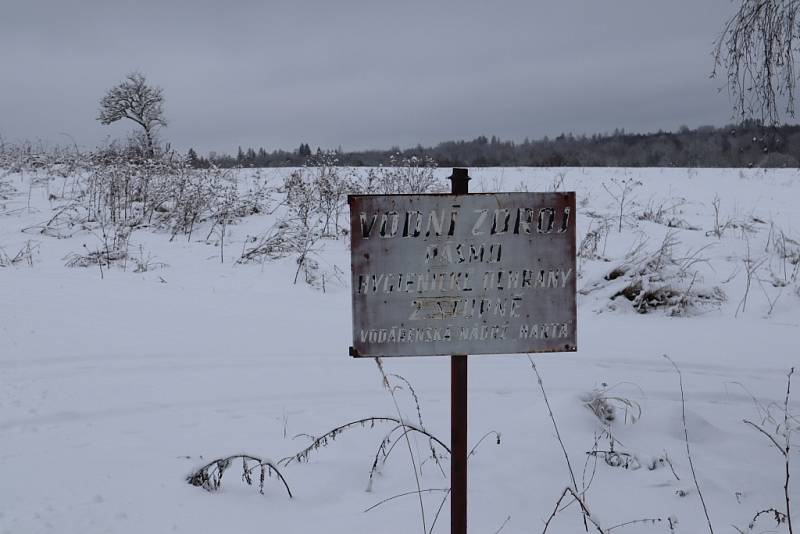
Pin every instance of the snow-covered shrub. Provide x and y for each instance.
(332, 183)
(21, 157)
(610, 408)
(589, 245)
(666, 213)
(606, 406)
(402, 175)
(6, 189)
(38, 159)
(317, 194)
(588, 250)
(621, 190)
(720, 225)
(111, 248)
(118, 190)
(305, 220)
(776, 423)
(597, 234)
(23, 256)
(278, 241)
(316, 201)
(143, 263)
(7, 192)
(785, 261)
(302, 200)
(209, 476)
(100, 256)
(121, 192)
(659, 280)
(411, 175)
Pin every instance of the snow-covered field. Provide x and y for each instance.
(113, 389)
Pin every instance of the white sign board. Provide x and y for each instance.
(463, 274)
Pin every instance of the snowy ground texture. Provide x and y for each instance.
(114, 389)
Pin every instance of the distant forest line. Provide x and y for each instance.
(748, 144)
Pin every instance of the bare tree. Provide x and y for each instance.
(757, 48)
(134, 99)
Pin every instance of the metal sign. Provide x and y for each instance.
(463, 274)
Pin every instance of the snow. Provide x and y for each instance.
(113, 390)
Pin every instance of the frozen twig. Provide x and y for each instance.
(786, 449)
(686, 441)
(560, 441)
(335, 432)
(490, 433)
(584, 509)
(209, 477)
(408, 443)
(405, 494)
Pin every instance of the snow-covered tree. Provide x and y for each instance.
(134, 99)
(756, 49)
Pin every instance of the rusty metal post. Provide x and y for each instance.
(458, 410)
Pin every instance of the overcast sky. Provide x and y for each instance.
(361, 74)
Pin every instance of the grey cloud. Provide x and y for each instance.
(362, 74)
